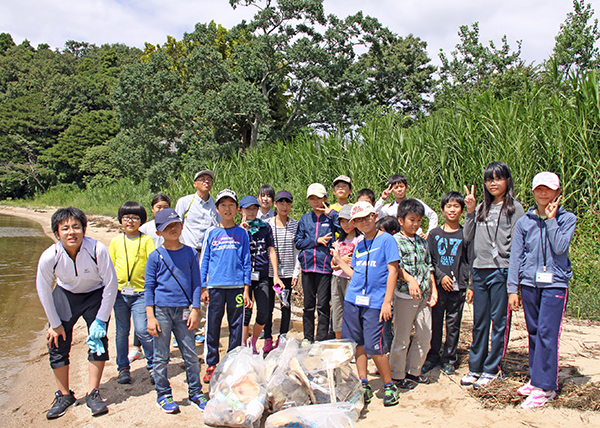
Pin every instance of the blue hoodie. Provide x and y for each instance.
(313, 256)
(526, 257)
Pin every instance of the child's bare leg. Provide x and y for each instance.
(61, 374)
(257, 329)
(338, 334)
(361, 362)
(245, 335)
(96, 368)
(383, 365)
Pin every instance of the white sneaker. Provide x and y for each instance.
(537, 398)
(470, 378)
(526, 389)
(484, 380)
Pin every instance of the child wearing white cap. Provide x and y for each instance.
(540, 266)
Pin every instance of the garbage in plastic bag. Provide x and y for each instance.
(314, 374)
(333, 415)
(237, 390)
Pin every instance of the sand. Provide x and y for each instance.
(441, 403)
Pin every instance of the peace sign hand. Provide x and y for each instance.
(470, 201)
(552, 207)
(386, 193)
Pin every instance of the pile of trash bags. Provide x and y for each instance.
(292, 377)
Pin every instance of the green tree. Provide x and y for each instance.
(474, 67)
(575, 49)
(6, 42)
(85, 131)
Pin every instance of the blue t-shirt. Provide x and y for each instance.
(377, 253)
(259, 249)
(161, 287)
(225, 260)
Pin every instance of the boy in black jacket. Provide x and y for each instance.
(451, 261)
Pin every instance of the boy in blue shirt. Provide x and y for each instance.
(225, 270)
(373, 272)
(172, 285)
(316, 230)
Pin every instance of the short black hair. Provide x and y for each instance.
(453, 196)
(390, 224)
(368, 193)
(132, 208)
(63, 214)
(397, 178)
(267, 190)
(410, 206)
(160, 197)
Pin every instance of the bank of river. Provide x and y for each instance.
(21, 314)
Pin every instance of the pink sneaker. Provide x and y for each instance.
(526, 389)
(253, 341)
(538, 398)
(268, 346)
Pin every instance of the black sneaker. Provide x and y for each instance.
(60, 404)
(428, 366)
(390, 395)
(124, 376)
(95, 403)
(405, 384)
(417, 379)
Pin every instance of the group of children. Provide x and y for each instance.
(364, 264)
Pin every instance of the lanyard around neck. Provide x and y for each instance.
(130, 273)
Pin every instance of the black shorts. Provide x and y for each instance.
(74, 306)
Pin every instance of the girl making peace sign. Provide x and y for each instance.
(490, 226)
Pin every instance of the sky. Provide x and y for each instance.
(133, 22)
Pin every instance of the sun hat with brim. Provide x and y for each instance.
(248, 201)
(204, 172)
(362, 209)
(316, 189)
(165, 217)
(343, 178)
(226, 193)
(548, 179)
(284, 194)
(346, 212)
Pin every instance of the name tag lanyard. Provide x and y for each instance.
(544, 242)
(368, 250)
(285, 235)
(130, 272)
(417, 256)
(495, 233)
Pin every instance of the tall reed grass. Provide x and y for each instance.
(537, 130)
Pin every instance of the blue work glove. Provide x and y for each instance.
(96, 346)
(97, 330)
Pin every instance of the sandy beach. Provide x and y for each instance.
(441, 403)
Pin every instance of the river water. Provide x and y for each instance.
(21, 314)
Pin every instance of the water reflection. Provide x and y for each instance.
(21, 314)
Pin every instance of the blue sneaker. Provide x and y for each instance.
(199, 339)
(167, 404)
(175, 344)
(199, 400)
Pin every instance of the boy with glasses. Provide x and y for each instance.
(373, 272)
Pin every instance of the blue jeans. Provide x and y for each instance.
(125, 308)
(171, 320)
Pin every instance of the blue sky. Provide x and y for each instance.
(133, 22)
